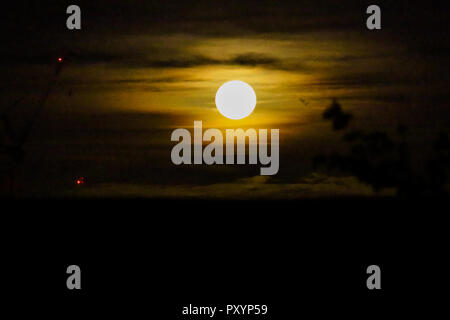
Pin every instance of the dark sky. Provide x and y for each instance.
(139, 69)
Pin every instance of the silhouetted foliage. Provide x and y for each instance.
(382, 162)
(439, 166)
(334, 113)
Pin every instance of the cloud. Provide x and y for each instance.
(253, 59)
(139, 60)
(246, 59)
(257, 187)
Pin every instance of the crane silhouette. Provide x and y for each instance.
(15, 139)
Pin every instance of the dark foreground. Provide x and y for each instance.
(150, 258)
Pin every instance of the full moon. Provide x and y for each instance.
(235, 99)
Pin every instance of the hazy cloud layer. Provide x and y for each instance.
(139, 69)
(258, 187)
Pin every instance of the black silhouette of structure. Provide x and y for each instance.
(14, 139)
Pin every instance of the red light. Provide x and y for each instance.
(80, 181)
(60, 59)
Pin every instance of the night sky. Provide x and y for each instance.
(139, 69)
